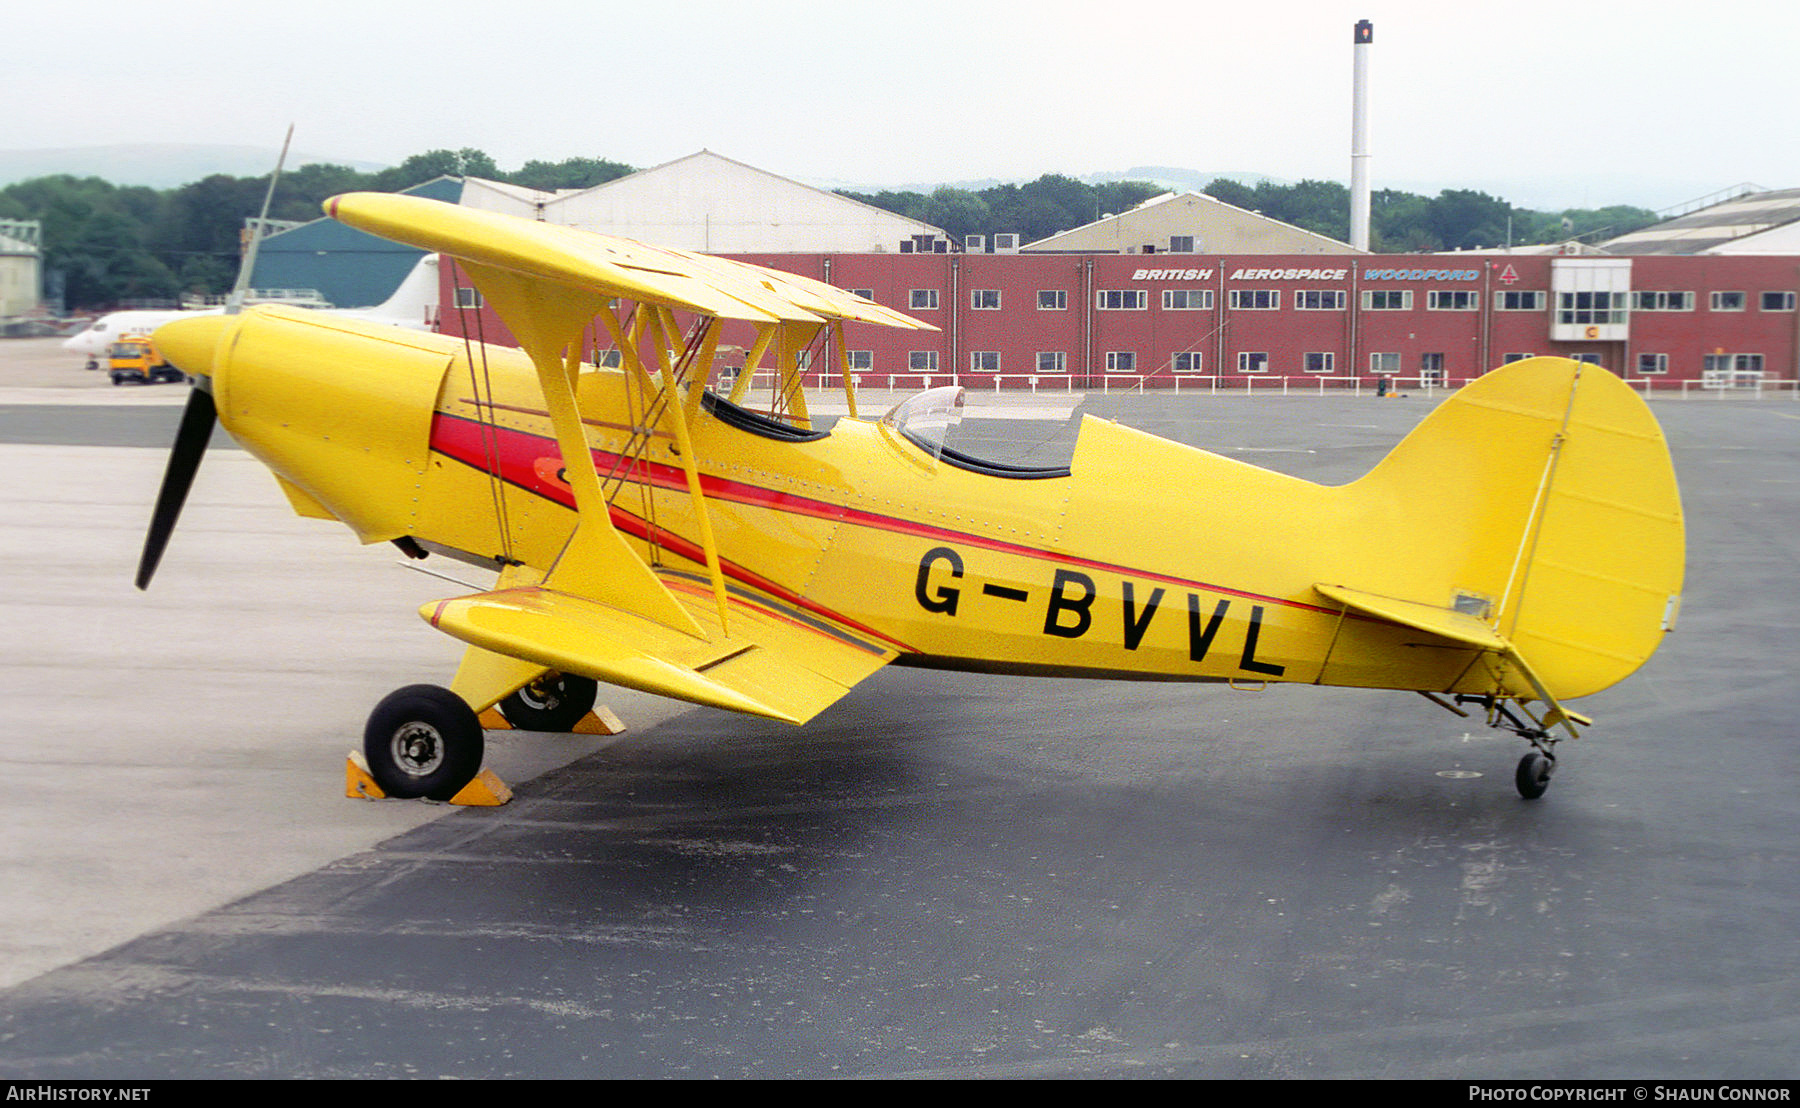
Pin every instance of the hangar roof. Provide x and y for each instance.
(1205, 224)
(1726, 227)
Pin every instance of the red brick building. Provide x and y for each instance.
(1316, 321)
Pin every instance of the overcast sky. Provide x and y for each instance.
(1547, 104)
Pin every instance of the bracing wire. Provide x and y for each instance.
(483, 389)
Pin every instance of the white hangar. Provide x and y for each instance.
(1188, 223)
(711, 203)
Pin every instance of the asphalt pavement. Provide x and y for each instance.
(943, 875)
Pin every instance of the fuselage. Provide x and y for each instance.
(1147, 559)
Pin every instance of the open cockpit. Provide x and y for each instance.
(928, 421)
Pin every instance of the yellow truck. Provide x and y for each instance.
(135, 358)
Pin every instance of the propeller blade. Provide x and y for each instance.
(197, 422)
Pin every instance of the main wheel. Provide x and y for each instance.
(554, 702)
(422, 740)
(1533, 775)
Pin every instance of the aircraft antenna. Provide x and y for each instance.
(235, 302)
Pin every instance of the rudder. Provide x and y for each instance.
(1540, 497)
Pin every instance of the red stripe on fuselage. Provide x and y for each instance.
(467, 441)
(517, 452)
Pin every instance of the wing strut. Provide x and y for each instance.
(663, 320)
(843, 354)
(740, 387)
(547, 319)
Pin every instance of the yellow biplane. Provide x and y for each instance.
(1521, 547)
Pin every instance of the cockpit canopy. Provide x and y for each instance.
(930, 420)
(927, 418)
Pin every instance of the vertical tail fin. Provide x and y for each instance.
(1542, 499)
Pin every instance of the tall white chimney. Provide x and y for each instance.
(1359, 138)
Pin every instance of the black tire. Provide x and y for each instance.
(423, 740)
(555, 702)
(1533, 775)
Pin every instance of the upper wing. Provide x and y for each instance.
(676, 279)
(601, 610)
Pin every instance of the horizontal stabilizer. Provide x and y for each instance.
(777, 662)
(1444, 622)
(1458, 627)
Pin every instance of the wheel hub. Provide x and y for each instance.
(418, 749)
(544, 696)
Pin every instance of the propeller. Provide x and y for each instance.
(197, 422)
(190, 344)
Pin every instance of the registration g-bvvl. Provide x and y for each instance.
(648, 520)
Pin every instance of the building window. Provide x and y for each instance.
(1052, 361)
(1186, 361)
(1586, 359)
(1450, 300)
(1121, 300)
(1321, 361)
(1187, 300)
(1319, 300)
(1777, 301)
(1508, 359)
(984, 300)
(922, 299)
(468, 298)
(866, 294)
(1732, 371)
(922, 361)
(1121, 361)
(1519, 300)
(861, 361)
(1053, 300)
(984, 361)
(1653, 363)
(1255, 300)
(1728, 301)
(1253, 361)
(609, 359)
(1384, 364)
(1181, 244)
(1387, 300)
(1580, 308)
(1662, 301)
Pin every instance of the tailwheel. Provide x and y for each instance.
(422, 740)
(554, 702)
(1533, 774)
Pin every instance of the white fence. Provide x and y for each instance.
(1258, 384)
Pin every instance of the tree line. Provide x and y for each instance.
(104, 244)
(1399, 222)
